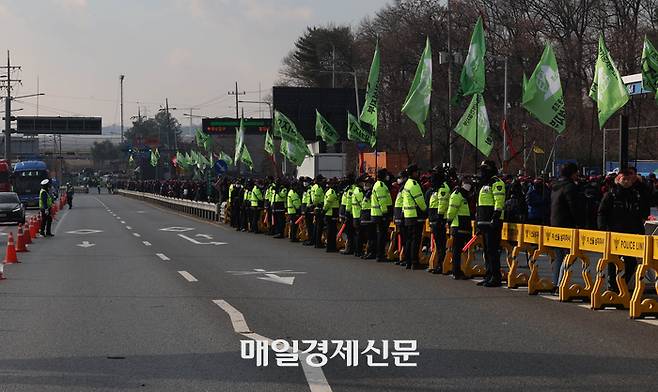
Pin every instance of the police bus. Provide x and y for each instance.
(27, 181)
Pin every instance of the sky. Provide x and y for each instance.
(189, 51)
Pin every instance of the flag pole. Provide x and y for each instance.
(477, 123)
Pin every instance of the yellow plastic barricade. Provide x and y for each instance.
(474, 270)
(584, 241)
(640, 307)
(227, 213)
(544, 238)
(512, 237)
(392, 250)
(433, 261)
(632, 245)
(446, 264)
(426, 237)
(262, 226)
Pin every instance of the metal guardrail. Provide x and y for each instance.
(210, 211)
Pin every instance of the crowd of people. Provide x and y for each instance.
(360, 210)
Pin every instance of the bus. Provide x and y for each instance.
(5, 176)
(27, 181)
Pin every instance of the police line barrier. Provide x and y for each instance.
(210, 211)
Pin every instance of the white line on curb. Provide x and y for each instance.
(315, 377)
(188, 276)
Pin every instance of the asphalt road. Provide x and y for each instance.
(138, 310)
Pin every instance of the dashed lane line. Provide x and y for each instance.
(188, 276)
(129, 227)
(137, 234)
(315, 377)
(123, 222)
(146, 243)
(162, 256)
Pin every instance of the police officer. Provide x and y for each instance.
(278, 208)
(330, 212)
(458, 216)
(245, 214)
(381, 211)
(438, 206)
(490, 204)
(357, 200)
(293, 206)
(414, 210)
(45, 204)
(267, 202)
(69, 194)
(345, 214)
(317, 199)
(307, 210)
(368, 230)
(256, 200)
(398, 213)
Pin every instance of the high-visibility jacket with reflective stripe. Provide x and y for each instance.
(331, 203)
(444, 199)
(294, 202)
(491, 199)
(346, 203)
(412, 199)
(256, 196)
(380, 200)
(44, 194)
(317, 195)
(357, 198)
(366, 207)
(459, 214)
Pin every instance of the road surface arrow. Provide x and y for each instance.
(85, 244)
(192, 240)
(278, 279)
(206, 236)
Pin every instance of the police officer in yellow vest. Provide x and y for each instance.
(256, 199)
(245, 214)
(45, 203)
(357, 200)
(368, 229)
(438, 206)
(459, 217)
(279, 208)
(345, 214)
(317, 199)
(490, 204)
(398, 214)
(414, 210)
(293, 206)
(330, 211)
(381, 211)
(307, 210)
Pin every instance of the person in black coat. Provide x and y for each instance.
(624, 210)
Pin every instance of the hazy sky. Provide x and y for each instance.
(191, 51)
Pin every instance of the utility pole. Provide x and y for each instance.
(121, 88)
(8, 98)
(449, 136)
(505, 153)
(237, 94)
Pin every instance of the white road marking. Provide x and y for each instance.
(123, 222)
(177, 229)
(188, 276)
(192, 240)
(146, 243)
(82, 231)
(162, 257)
(649, 321)
(129, 227)
(85, 244)
(206, 236)
(551, 297)
(317, 382)
(137, 234)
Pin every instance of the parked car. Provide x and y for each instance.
(11, 208)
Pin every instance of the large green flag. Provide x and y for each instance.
(239, 142)
(180, 160)
(649, 67)
(357, 133)
(474, 125)
(542, 94)
(269, 143)
(245, 157)
(155, 157)
(287, 131)
(417, 104)
(203, 140)
(472, 80)
(325, 130)
(369, 112)
(226, 158)
(608, 90)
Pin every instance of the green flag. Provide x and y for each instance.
(608, 90)
(287, 131)
(525, 83)
(293, 152)
(542, 94)
(472, 80)
(245, 158)
(369, 112)
(239, 142)
(269, 143)
(155, 157)
(226, 158)
(474, 125)
(357, 133)
(417, 104)
(203, 139)
(325, 130)
(649, 67)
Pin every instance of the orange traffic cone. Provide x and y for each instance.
(27, 233)
(10, 256)
(34, 228)
(20, 240)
